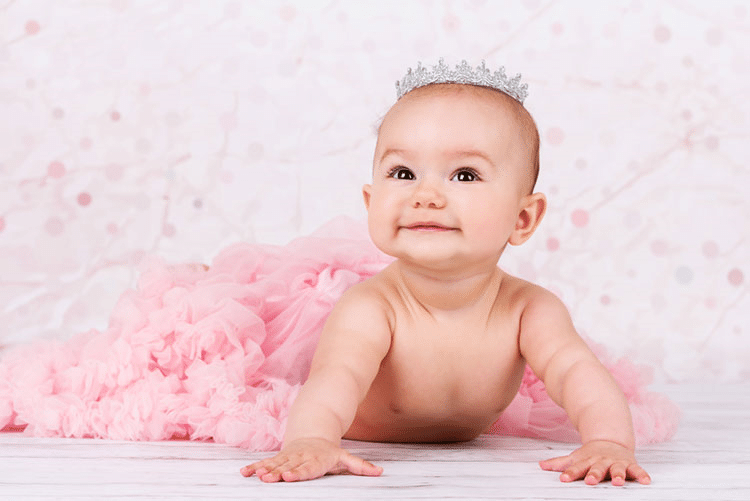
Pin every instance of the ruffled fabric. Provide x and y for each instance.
(220, 354)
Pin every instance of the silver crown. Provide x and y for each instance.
(462, 74)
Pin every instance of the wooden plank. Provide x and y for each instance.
(708, 459)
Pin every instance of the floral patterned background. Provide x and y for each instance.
(131, 128)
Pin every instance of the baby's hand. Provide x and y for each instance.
(309, 458)
(596, 461)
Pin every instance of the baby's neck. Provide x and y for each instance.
(449, 292)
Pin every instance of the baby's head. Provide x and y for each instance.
(455, 160)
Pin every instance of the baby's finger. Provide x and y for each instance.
(276, 474)
(618, 473)
(596, 473)
(358, 466)
(306, 471)
(635, 472)
(251, 469)
(556, 464)
(576, 471)
(261, 467)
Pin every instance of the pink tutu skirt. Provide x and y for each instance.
(220, 354)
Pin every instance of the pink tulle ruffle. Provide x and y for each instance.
(221, 353)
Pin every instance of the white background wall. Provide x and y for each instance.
(176, 127)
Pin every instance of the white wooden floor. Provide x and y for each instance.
(709, 459)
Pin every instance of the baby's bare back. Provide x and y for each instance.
(447, 375)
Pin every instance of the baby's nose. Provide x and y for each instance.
(427, 195)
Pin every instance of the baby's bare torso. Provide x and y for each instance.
(447, 375)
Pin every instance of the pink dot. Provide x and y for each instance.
(114, 172)
(169, 230)
(56, 169)
(714, 36)
(226, 176)
(115, 116)
(605, 299)
(2, 223)
(32, 27)
(736, 277)
(712, 143)
(451, 23)
(557, 29)
(84, 199)
(119, 5)
(112, 228)
(553, 244)
(287, 13)
(54, 226)
(662, 34)
(555, 135)
(58, 113)
(710, 249)
(610, 30)
(659, 247)
(137, 256)
(710, 303)
(259, 38)
(233, 10)
(580, 218)
(86, 143)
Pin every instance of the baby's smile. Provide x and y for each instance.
(429, 226)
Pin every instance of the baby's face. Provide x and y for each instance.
(450, 174)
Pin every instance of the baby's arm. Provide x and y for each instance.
(353, 343)
(576, 380)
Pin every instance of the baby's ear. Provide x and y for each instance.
(366, 192)
(532, 211)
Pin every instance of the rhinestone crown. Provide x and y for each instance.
(462, 74)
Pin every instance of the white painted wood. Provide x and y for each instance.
(708, 459)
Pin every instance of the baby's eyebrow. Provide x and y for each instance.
(393, 151)
(470, 153)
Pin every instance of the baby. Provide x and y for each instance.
(432, 349)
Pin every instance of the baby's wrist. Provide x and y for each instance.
(622, 443)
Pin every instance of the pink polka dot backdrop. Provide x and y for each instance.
(171, 129)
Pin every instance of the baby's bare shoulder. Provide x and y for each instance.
(369, 297)
(527, 297)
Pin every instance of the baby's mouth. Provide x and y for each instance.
(428, 227)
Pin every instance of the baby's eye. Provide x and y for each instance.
(466, 175)
(401, 173)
